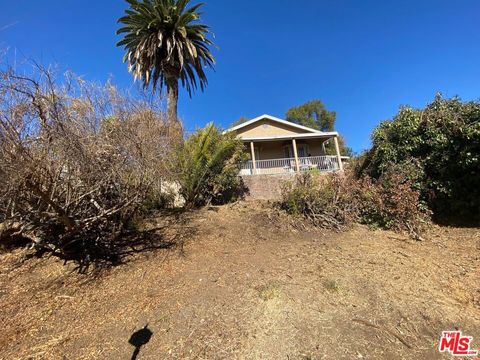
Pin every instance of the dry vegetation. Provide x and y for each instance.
(250, 283)
(77, 163)
(82, 169)
(336, 201)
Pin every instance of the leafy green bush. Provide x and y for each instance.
(208, 164)
(336, 201)
(439, 147)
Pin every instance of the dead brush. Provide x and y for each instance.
(336, 201)
(77, 161)
(321, 199)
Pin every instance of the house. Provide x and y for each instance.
(278, 146)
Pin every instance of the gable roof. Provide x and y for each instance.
(317, 135)
(275, 119)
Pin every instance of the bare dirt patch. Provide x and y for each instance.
(247, 284)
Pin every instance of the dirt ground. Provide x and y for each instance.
(249, 285)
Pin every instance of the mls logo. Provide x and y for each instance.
(456, 344)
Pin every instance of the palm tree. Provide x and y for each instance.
(164, 43)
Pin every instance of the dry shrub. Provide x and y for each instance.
(77, 161)
(390, 202)
(337, 200)
(326, 200)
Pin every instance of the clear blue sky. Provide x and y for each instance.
(362, 58)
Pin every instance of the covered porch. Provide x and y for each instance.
(291, 154)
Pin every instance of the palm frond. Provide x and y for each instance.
(203, 160)
(163, 39)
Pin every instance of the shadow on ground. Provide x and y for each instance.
(138, 339)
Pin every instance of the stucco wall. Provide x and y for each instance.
(270, 150)
(267, 127)
(276, 149)
(314, 146)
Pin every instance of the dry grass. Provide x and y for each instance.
(250, 285)
(269, 291)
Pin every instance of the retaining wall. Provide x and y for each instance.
(265, 187)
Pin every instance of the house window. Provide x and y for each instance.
(302, 151)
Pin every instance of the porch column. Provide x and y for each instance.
(252, 149)
(337, 150)
(297, 163)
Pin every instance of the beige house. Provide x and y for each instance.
(278, 146)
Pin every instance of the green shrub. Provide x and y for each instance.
(440, 148)
(208, 164)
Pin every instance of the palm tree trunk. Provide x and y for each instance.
(172, 100)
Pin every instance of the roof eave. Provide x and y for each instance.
(273, 118)
(289, 137)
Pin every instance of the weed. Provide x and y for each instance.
(331, 285)
(269, 291)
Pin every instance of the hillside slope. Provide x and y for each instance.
(249, 284)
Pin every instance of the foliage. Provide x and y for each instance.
(440, 148)
(77, 161)
(344, 149)
(336, 201)
(241, 120)
(313, 114)
(164, 43)
(208, 164)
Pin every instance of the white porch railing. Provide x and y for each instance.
(326, 163)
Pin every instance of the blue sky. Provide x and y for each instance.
(362, 58)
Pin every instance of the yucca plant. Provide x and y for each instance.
(165, 43)
(208, 165)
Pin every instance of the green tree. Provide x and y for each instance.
(344, 149)
(241, 120)
(164, 43)
(313, 114)
(439, 148)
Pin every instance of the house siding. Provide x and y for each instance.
(275, 149)
(268, 127)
